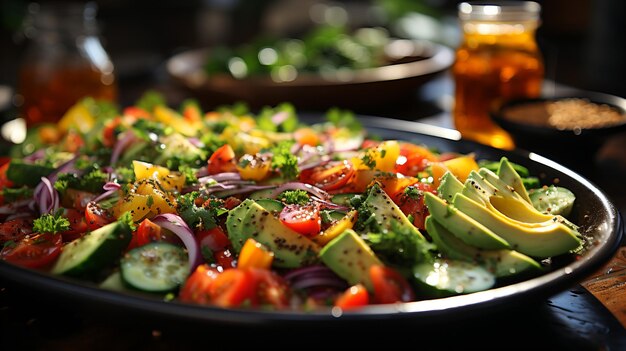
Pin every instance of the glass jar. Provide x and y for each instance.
(497, 60)
(63, 62)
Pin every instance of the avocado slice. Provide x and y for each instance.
(385, 210)
(291, 249)
(350, 258)
(541, 240)
(463, 226)
(448, 187)
(234, 224)
(509, 175)
(502, 262)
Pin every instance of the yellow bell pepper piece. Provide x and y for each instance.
(254, 255)
(347, 222)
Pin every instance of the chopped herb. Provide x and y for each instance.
(284, 161)
(413, 192)
(368, 159)
(150, 201)
(51, 223)
(127, 218)
(299, 197)
(197, 216)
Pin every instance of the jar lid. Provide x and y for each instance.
(500, 11)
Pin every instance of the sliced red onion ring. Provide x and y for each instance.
(242, 190)
(220, 177)
(313, 190)
(110, 189)
(128, 137)
(177, 225)
(46, 197)
(319, 162)
(310, 282)
(298, 272)
(66, 167)
(330, 205)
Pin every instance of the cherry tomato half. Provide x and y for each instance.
(33, 251)
(415, 206)
(354, 297)
(213, 239)
(196, 287)
(304, 219)
(271, 289)
(330, 176)
(233, 287)
(96, 216)
(147, 232)
(78, 224)
(15, 229)
(389, 285)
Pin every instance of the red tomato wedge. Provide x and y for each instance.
(272, 289)
(233, 287)
(354, 297)
(415, 206)
(33, 251)
(146, 232)
(304, 219)
(222, 160)
(15, 229)
(196, 287)
(96, 216)
(389, 285)
(331, 176)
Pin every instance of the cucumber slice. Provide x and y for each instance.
(155, 267)
(553, 200)
(95, 251)
(22, 173)
(452, 277)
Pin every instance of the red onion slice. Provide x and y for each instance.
(110, 189)
(177, 225)
(128, 137)
(313, 190)
(46, 197)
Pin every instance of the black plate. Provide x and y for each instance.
(594, 213)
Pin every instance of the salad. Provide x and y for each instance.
(236, 209)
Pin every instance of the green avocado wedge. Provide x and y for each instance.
(349, 256)
(509, 175)
(502, 262)
(234, 224)
(463, 226)
(546, 240)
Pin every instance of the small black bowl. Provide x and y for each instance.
(570, 146)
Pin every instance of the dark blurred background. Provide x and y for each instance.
(583, 41)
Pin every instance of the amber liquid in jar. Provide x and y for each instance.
(496, 62)
(64, 62)
(48, 92)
